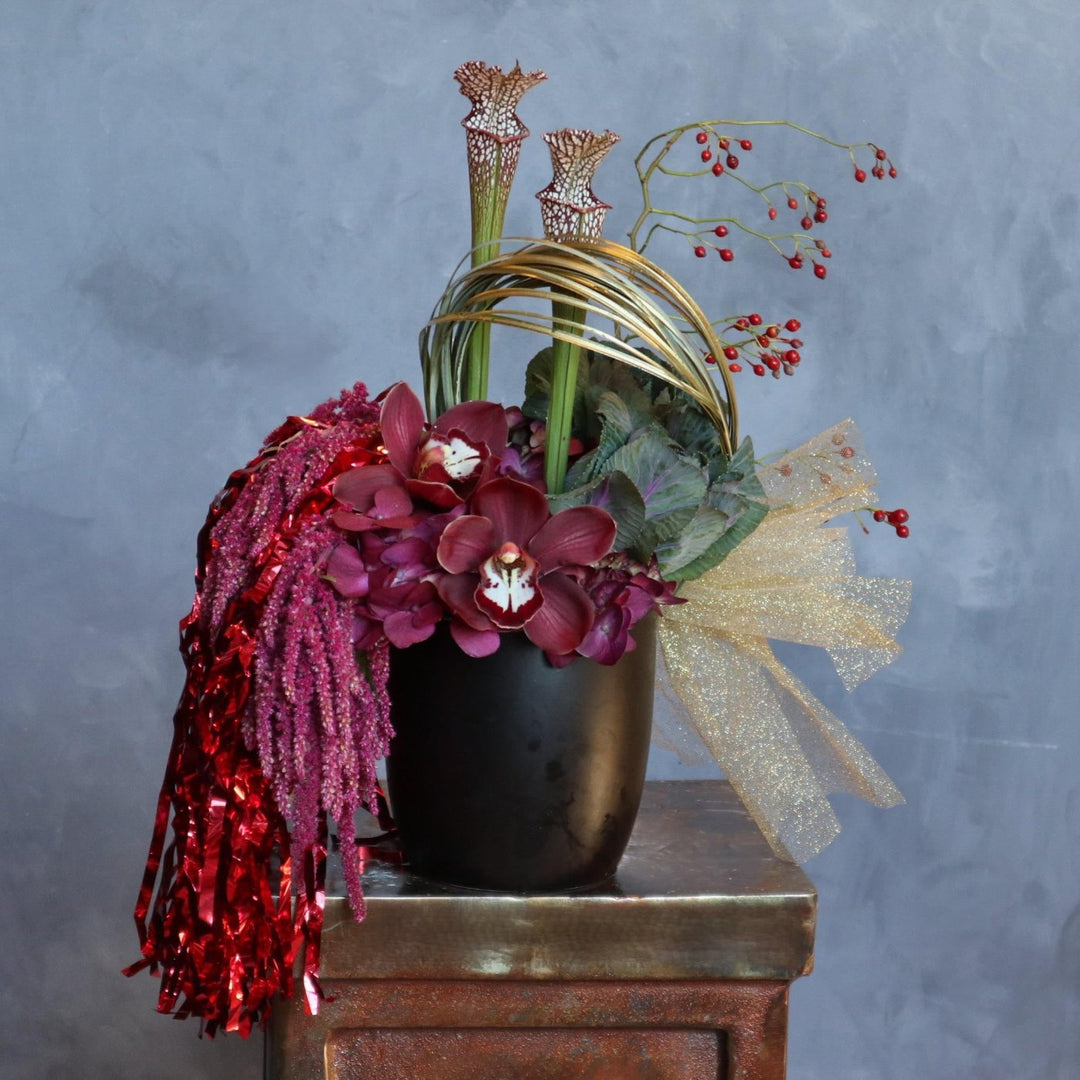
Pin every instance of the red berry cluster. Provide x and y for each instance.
(723, 147)
(764, 346)
(814, 213)
(896, 518)
(879, 170)
(717, 152)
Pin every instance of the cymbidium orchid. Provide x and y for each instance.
(441, 462)
(505, 563)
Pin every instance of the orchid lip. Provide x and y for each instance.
(455, 455)
(509, 589)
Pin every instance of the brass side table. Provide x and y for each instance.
(677, 968)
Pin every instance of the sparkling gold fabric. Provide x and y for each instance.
(793, 579)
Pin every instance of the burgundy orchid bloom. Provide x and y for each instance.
(505, 562)
(444, 461)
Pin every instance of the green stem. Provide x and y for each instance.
(560, 416)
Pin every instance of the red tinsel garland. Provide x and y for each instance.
(222, 931)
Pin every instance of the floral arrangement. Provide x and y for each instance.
(618, 487)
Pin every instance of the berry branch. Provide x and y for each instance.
(714, 143)
(764, 348)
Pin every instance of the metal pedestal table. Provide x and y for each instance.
(679, 967)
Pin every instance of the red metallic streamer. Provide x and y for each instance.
(223, 929)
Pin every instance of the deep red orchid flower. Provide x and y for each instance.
(504, 561)
(444, 461)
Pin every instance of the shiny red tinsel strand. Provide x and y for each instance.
(221, 928)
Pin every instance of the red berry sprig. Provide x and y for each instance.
(897, 518)
(763, 345)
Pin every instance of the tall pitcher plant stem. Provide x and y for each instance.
(570, 211)
(494, 136)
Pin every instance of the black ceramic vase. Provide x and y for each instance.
(508, 774)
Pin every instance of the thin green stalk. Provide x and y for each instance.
(560, 415)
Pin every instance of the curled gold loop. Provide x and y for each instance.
(658, 328)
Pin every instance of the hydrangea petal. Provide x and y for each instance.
(405, 628)
(346, 571)
(357, 487)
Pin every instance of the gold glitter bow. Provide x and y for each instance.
(793, 579)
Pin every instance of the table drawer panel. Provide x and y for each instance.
(523, 1054)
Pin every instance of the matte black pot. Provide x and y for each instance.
(511, 775)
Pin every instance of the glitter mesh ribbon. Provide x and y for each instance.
(793, 579)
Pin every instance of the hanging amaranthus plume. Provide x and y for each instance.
(569, 207)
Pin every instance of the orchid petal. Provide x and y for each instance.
(451, 459)
(516, 510)
(509, 587)
(441, 495)
(564, 618)
(457, 594)
(475, 643)
(402, 424)
(479, 421)
(578, 536)
(465, 543)
(560, 660)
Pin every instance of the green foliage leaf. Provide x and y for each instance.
(538, 377)
(735, 505)
(670, 486)
(618, 424)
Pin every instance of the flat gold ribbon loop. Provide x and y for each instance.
(793, 579)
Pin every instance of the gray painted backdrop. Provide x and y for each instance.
(215, 213)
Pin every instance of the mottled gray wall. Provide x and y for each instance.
(215, 213)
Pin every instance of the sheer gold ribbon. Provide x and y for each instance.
(793, 579)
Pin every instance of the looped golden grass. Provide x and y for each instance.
(649, 310)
